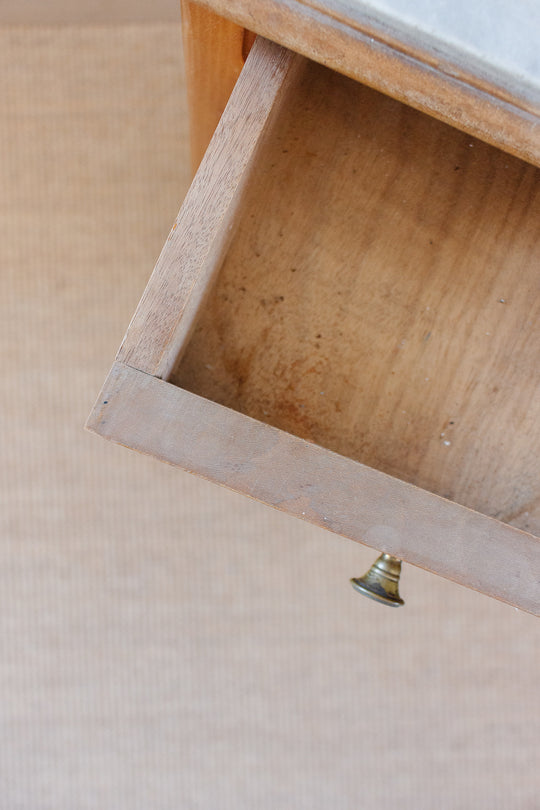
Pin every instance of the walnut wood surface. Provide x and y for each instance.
(295, 476)
(365, 47)
(382, 298)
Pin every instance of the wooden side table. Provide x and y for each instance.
(344, 320)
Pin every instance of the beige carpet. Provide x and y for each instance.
(76, 12)
(165, 643)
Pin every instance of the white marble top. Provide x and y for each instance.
(499, 39)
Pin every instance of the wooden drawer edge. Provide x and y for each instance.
(149, 415)
(204, 226)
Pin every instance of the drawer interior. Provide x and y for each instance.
(380, 297)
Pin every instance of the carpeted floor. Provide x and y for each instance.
(165, 643)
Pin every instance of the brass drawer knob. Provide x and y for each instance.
(381, 582)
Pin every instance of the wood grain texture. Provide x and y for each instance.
(369, 51)
(199, 237)
(307, 481)
(214, 54)
(382, 298)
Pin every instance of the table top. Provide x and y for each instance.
(498, 39)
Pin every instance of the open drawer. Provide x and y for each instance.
(344, 324)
